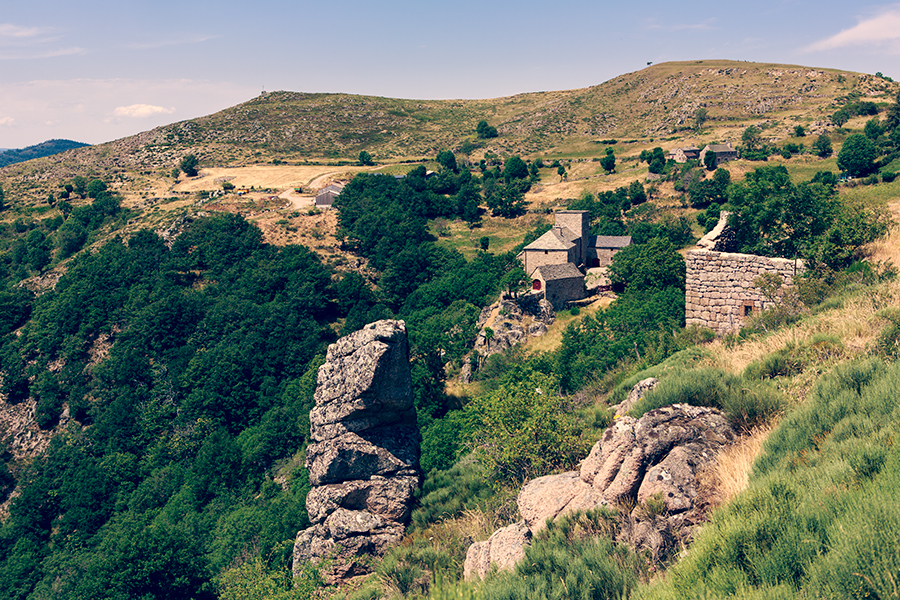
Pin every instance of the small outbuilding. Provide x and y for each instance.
(559, 284)
(601, 248)
(325, 197)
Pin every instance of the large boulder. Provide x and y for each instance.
(646, 469)
(502, 550)
(364, 462)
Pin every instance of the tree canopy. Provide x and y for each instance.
(857, 155)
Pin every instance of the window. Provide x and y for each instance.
(536, 285)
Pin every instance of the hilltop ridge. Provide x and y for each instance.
(655, 103)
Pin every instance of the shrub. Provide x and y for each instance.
(746, 405)
(524, 429)
(446, 494)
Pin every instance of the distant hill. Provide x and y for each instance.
(654, 106)
(48, 148)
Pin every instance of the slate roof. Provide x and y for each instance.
(610, 241)
(556, 272)
(720, 148)
(558, 238)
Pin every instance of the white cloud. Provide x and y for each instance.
(173, 41)
(141, 111)
(6, 121)
(99, 110)
(8, 30)
(878, 30)
(706, 25)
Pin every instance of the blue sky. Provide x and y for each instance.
(98, 70)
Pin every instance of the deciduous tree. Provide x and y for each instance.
(189, 165)
(857, 155)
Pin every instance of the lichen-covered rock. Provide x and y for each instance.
(637, 392)
(364, 462)
(502, 550)
(384, 452)
(647, 469)
(390, 498)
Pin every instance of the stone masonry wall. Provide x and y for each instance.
(719, 290)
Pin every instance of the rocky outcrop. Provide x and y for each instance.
(502, 550)
(506, 324)
(647, 469)
(637, 392)
(364, 460)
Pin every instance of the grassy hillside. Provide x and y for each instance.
(168, 346)
(653, 106)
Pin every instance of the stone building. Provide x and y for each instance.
(723, 152)
(720, 293)
(602, 248)
(325, 197)
(566, 241)
(559, 284)
(557, 261)
(682, 155)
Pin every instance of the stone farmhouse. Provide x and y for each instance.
(557, 261)
(325, 197)
(723, 152)
(682, 155)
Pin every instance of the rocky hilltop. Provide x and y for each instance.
(364, 459)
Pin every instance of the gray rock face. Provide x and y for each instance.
(655, 458)
(364, 462)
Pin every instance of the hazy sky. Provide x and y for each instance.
(97, 70)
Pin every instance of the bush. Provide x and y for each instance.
(447, 494)
(524, 429)
(746, 405)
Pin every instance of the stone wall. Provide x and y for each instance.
(540, 258)
(719, 290)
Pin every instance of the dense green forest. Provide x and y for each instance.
(188, 369)
(48, 148)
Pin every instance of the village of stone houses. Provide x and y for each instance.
(634, 341)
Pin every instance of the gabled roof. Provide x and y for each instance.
(720, 148)
(558, 238)
(610, 241)
(554, 272)
(334, 187)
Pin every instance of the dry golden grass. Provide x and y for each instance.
(553, 338)
(730, 474)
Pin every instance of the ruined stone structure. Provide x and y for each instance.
(720, 293)
(364, 460)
